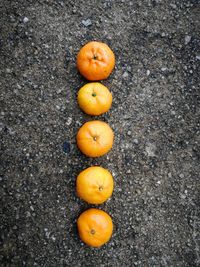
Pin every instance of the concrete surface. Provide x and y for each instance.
(155, 117)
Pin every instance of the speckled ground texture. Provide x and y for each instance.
(155, 116)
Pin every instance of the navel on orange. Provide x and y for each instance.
(95, 61)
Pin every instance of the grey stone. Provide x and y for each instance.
(125, 74)
(25, 19)
(150, 149)
(87, 22)
(187, 39)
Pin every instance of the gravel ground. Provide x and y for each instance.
(155, 116)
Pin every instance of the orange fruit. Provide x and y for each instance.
(95, 61)
(95, 138)
(94, 185)
(94, 98)
(95, 227)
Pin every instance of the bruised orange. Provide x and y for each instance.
(94, 185)
(94, 98)
(95, 138)
(95, 227)
(95, 61)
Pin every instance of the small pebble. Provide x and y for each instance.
(8, 70)
(173, 6)
(31, 207)
(187, 39)
(163, 68)
(87, 22)
(125, 74)
(150, 149)
(69, 121)
(25, 19)
(182, 196)
(53, 238)
(66, 147)
(138, 191)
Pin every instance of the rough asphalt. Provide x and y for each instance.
(155, 116)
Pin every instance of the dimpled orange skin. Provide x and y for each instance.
(95, 61)
(94, 185)
(95, 227)
(95, 138)
(94, 98)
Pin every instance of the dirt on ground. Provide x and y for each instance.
(155, 117)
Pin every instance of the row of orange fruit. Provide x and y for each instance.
(95, 61)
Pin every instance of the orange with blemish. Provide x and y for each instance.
(95, 61)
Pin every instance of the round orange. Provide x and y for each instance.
(95, 61)
(94, 185)
(94, 98)
(95, 227)
(95, 138)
